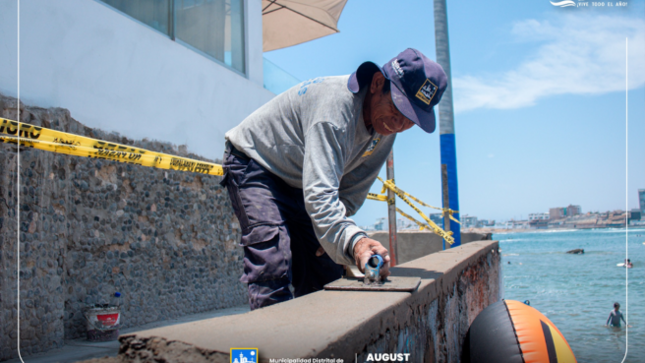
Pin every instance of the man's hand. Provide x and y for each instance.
(366, 248)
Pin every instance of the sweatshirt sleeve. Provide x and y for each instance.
(356, 184)
(323, 166)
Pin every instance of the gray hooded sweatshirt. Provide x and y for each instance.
(313, 137)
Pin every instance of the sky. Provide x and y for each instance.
(545, 115)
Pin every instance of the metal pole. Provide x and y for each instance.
(446, 200)
(446, 122)
(391, 211)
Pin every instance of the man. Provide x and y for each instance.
(300, 165)
(615, 316)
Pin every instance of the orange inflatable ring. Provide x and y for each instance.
(509, 331)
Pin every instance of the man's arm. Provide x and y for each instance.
(322, 170)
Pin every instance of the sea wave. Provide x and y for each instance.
(559, 230)
(618, 230)
(534, 231)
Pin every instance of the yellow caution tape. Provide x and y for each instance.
(64, 143)
(379, 197)
(436, 229)
(421, 225)
(383, 198)
(450, 211)
(444, 210)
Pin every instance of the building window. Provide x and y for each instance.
(212, 27)
(215, 27)
(154, 13)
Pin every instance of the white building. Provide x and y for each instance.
(183, 71)
(538, 216)
(468, 221)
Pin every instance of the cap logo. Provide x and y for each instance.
(427, 92)
(397, 68)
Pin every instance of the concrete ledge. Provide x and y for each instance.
(430, 323)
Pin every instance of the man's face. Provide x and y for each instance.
(386, 118)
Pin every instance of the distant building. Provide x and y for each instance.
(437, 218)
(556, 223)
(468, 221)
(641, 199)
(539, 223)
(522, 224)
(634, 215)
(538, 216)
(380, 224)
(485, 223)
(556, 213)
(404, 223)
(570, 211)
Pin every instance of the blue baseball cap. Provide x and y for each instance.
(418, 83)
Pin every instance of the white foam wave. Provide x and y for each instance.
(539, 231)
(559, 230)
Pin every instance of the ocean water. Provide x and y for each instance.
(577, 292)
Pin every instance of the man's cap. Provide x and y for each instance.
(418, 84)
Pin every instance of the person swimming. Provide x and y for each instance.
(615, 316)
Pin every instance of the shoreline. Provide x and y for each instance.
(527, 230)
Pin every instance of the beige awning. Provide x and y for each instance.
(290, 22)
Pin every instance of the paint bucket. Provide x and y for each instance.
(103, 322)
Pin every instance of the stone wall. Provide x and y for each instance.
(166, 240)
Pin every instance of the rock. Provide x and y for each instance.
(577, 251)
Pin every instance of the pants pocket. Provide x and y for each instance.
(267, 254)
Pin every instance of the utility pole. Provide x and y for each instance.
(446, 124)
(391, 211)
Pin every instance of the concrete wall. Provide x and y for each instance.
(88, 228)
(347, 326)
(116, 74)
(413, 244)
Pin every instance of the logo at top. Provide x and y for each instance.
(397, 68)
(305, 84)
(427, 92)
(587, 4)
(244, 355)
(370, 148)
(564, 4)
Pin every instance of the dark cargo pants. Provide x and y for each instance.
(277, 235)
